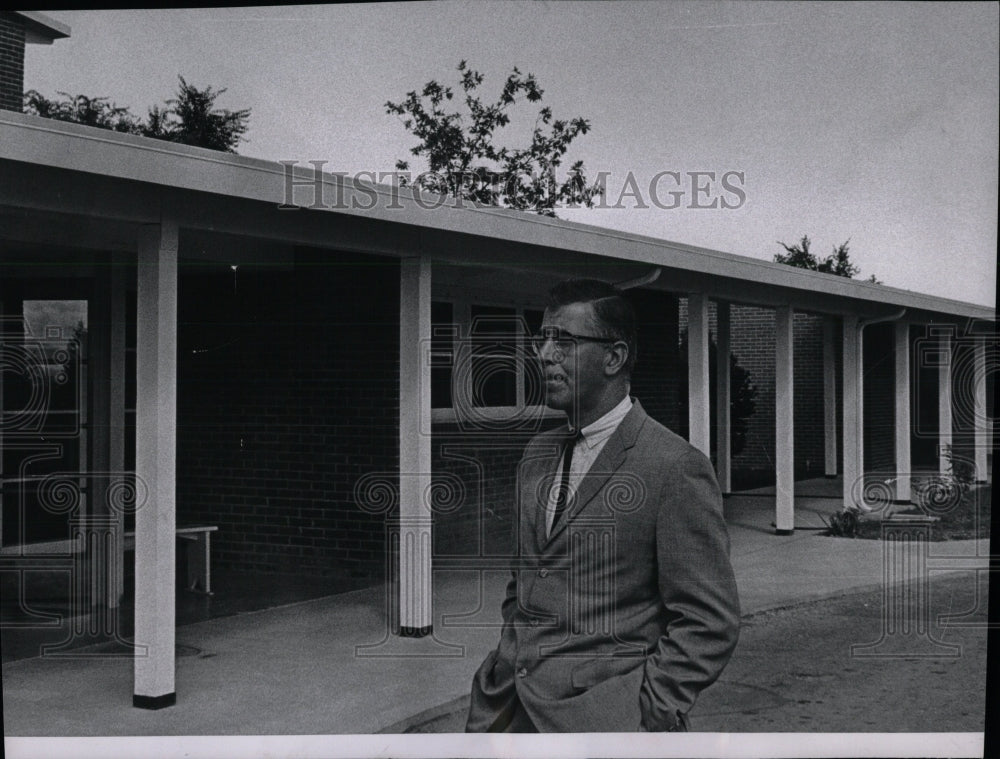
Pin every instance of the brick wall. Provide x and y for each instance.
(655, 380)
(879, 398)
(11, 61)
(752, 341)
(753, 344)
(287, 396)
(924, 399)
(482, 520)
(963, 379)
(925, 440)
(810, 440)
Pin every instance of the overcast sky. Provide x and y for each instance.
(874, 122)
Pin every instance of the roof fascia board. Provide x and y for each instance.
(41, 28)
(86, 149)
(43, 188)
(90, 196)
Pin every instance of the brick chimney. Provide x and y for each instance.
(17, 29)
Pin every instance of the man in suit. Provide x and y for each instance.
(622, 604)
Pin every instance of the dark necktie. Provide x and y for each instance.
(562, 496)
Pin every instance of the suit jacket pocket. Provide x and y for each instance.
(590, 673)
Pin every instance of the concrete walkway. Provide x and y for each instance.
(330, 666)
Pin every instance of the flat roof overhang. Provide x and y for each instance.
(40, 29)
(75, 175)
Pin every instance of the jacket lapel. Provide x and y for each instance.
(610, 459)
(538, 495)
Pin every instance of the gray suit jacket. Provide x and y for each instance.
(620, 618)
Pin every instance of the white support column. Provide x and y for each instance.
(981, 429)
(829, 397)
(784, 422)
(698, 390)
(415, 613)
(944, 397)
(853, 440)
(904, 465)
(156, 444)
(116, 419)
(96, 557)
(723, 397)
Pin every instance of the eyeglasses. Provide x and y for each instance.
(563, 340)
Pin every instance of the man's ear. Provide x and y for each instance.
(615, 359)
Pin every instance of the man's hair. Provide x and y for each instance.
(615, 315)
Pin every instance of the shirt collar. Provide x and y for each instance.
(602, 428)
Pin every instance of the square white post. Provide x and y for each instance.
(944, 397)
(156, 443)
(853, 441)
(903, 460)
(415, 588)
(981, 430)
(723, 397)
(829, 397)
(699, 424)
(98, 550)
(116, 418)
(784, 422)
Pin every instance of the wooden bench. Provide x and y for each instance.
(199, 555)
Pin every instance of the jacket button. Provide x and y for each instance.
(543, 573)
(522, 672)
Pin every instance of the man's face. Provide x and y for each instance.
(574, 377)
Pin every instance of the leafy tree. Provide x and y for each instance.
(97, 112)
(196, 120)
(465, 161)
(190, 118)
(838, 262)
(742, 395)
(158, 124)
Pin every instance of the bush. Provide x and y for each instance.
(844, 524)
(949, 502)
(944, 493)
(191, 118)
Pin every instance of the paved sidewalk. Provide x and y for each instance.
(329, 666)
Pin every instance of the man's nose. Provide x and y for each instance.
(549, 353)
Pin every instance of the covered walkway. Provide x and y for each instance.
(74, 197)
(329, 665)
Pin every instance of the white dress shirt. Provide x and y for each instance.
(588, 448)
